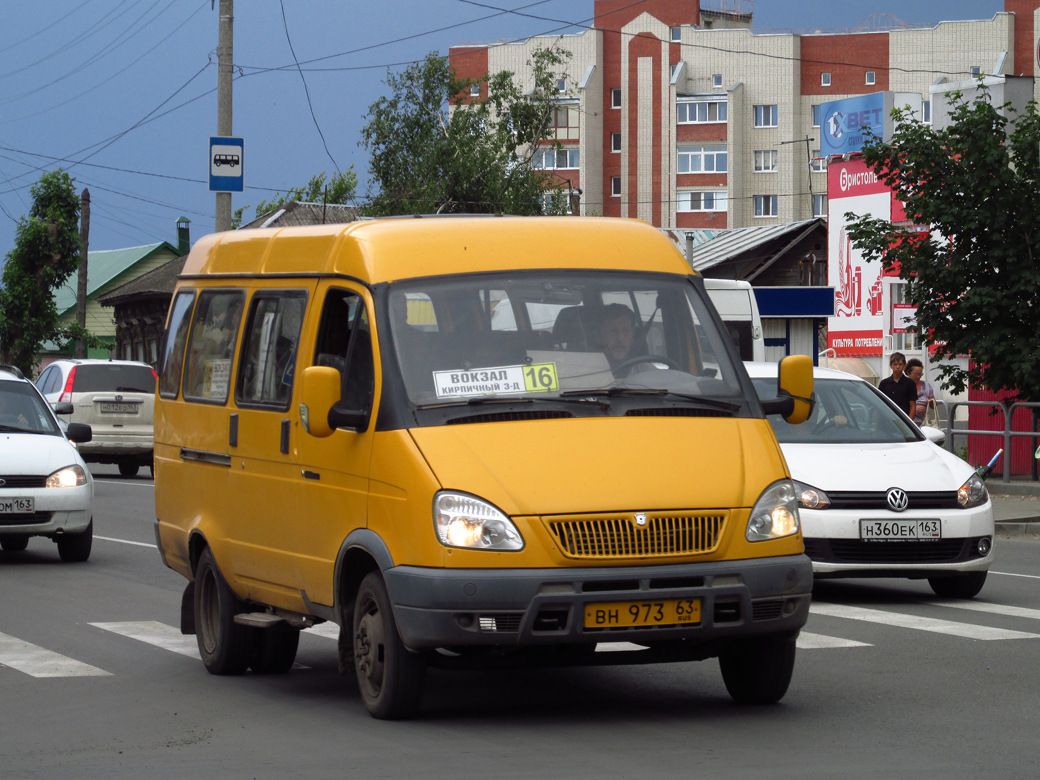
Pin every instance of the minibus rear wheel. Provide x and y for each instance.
(225, 646)
(390, 678)
(758, 670)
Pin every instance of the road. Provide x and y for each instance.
(97, 682)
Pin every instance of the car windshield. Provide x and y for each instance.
(22, 410)
(846, 412)
(542, 335)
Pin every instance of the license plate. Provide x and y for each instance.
(625, 614)
(900, 530)
(17, 506)
(118, 408)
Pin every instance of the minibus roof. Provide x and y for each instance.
(383, 250)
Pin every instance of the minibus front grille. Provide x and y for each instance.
(636, 536)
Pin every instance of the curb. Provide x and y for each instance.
(1028, 527)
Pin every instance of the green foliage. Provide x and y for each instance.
(46, 253)
(972, 198)
(340, 189)
(429, 156)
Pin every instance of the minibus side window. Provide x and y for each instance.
(268, 362)
(211, 346)
(345, 343)
(173, 348)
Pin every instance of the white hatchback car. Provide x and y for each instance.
(877, 496)
(45, 488)
(116, 399)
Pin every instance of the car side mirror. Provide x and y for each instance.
(62, 407)
(80, 433)
(934, 435)
(320, 412)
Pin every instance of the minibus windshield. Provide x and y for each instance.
(557, 334)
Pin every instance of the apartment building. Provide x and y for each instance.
(674, 112)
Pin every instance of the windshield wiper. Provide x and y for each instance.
(616, 392)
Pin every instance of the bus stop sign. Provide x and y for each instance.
(225, 164)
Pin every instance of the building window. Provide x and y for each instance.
(676, 33)
(702, 159)
(615, 185)
(871, 78)
(819, 205)
(615, 98)
(926, 112)
(825, 79)
(565, 124)
(815, 115)
(765, 205)
(556, 159)
(716, 80)
(818, 164)
(701, 112)
(976, 71)
(615, 142)
(557, 201)
(561, 85)
(766, 161)
(712, 200)
(766, 116)
(474, 90)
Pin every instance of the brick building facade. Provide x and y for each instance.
(681, 116)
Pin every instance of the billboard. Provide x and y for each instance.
(858, 325)
(843, 123)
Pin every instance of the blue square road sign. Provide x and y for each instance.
(226, 169)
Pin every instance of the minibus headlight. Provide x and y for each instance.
(810, 497)
(775, 514)
(466, 521)
(972, 493)
(70, 476)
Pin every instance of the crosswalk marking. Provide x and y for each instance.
(993, 609)
(810, 641)
(900, 620)
(156, 634)
(328, 630)
(38, 662)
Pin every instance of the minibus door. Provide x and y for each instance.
(333, 469)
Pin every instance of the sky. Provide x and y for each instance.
(122, 93)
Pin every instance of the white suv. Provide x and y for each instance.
(116, 399)
(45, 488)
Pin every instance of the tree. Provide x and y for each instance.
(972, 270)
(46, 253)
(340, 189)
(428, 156)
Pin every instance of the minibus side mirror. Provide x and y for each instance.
(319, 391)
(320, 412)
(794, 388)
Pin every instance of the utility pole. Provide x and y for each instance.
(81, 286)
(225, 71)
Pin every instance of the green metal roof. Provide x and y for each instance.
(102, 267)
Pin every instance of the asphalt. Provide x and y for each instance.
(1016, 507)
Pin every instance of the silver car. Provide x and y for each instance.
(116, 399)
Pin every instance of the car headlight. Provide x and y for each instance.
(810, 497)
(466, 521)
(70, 476)
(972, 493)
(775, 514)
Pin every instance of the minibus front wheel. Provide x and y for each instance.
(225, 646)
(390, 678)
(757, 670)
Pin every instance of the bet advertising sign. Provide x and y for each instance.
(843, 123)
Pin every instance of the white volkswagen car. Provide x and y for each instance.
(45, 488)
(877, 496)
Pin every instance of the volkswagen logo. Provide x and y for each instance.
(640, 519)
(897, 499)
